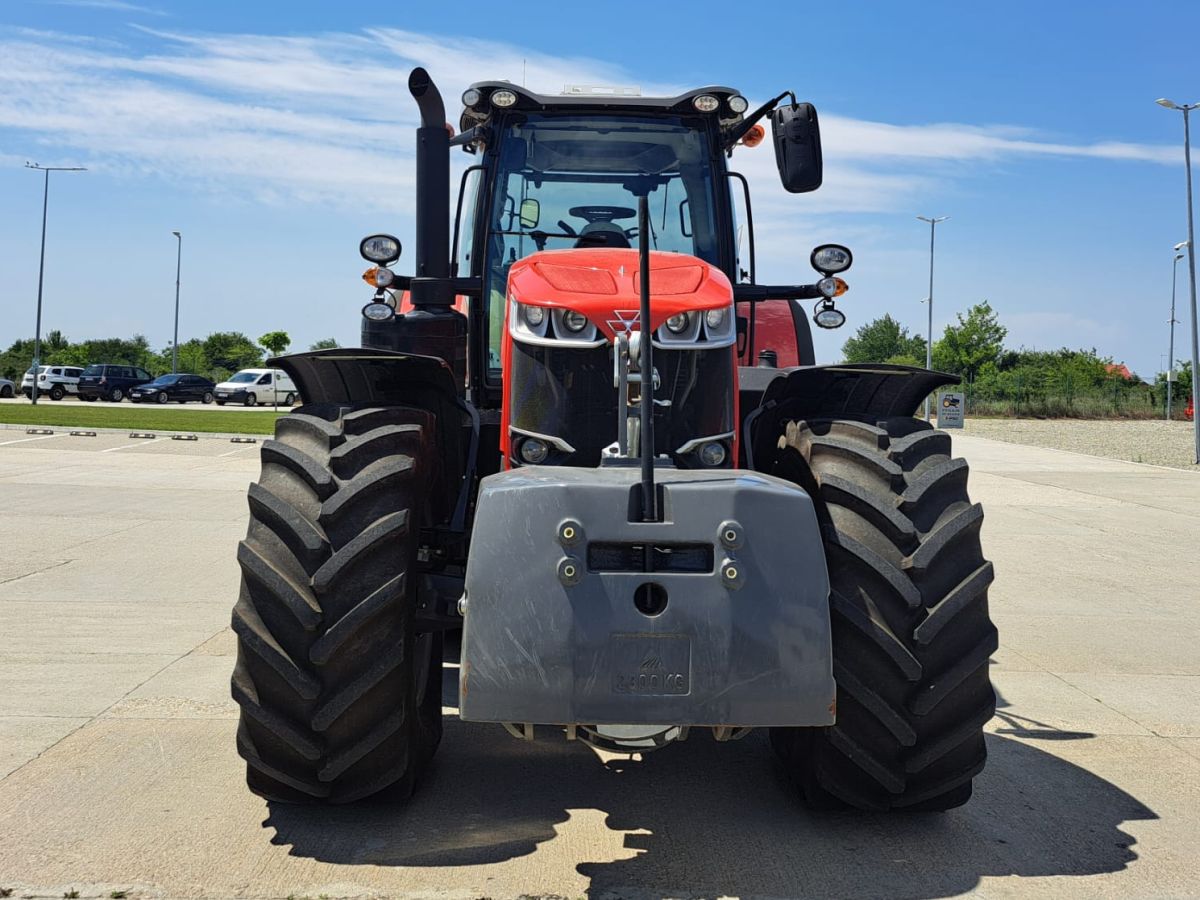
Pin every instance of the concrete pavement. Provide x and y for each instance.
(116, 730)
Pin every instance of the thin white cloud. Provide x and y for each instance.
(325, 118)
(113, 5)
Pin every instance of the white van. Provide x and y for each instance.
(53, 381)
(250, 387)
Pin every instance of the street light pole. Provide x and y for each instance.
(37, 334)
(1172, 322)
(929, 335)
(1191, 242)
(175, 343)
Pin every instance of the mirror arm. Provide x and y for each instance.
(739, 131)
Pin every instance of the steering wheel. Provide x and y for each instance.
(602, 213)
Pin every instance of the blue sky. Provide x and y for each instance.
(275, 135)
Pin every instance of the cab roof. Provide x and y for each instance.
(530, 101)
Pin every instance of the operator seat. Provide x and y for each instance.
(602, 234)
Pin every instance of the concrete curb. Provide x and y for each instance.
(159, 432)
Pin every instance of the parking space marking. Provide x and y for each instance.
(42, 437)
(124, 447)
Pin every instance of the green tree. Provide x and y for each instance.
(325, 344)
(978, 338)
(231, 350)
(883, 340)
(275, 342)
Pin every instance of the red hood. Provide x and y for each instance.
(604, 285)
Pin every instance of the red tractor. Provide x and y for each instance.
(560, 443)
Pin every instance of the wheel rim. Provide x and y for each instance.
(251, 400)
(289, 400)
(162, 397)
(117, 395)
(208, 398)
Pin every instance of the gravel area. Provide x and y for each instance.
(1146, 441)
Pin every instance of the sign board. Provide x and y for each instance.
(950, 408)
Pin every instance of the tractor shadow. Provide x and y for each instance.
(702, 818)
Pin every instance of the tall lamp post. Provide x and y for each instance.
(1172, 322)
(37, 335)
(933, 222)
(175, 343)
(1191, 245)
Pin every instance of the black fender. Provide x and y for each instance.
(360, 376)
(864, 391)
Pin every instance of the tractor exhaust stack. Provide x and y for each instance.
(433, 194)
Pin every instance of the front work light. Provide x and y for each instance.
(828, 316)
(470, 97)
(705, 103)
(534, 451)
(378, 312)
(381, 249)
(829, 259)
(738, 104)
(504, 98)
(712, 454)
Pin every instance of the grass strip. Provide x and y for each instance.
(135, 419)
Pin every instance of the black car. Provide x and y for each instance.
(110, 382)
(180, 388)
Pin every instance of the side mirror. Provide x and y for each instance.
(797, 138)
(531, 212)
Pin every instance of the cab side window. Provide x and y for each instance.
(266, 379)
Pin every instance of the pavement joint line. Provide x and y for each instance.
(41, 437)
(57, 564)
(92, 719)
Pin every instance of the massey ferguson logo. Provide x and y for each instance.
(625, 320)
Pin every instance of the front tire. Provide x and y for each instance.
(910, 625)
(207, 398)
(340, 697)
(162, 397)
(251, 400)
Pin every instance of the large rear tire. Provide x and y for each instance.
(908, 603)
(340, 697)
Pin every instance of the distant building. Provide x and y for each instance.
(1119, 369)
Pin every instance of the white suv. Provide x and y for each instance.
(254, 386)
(55, 381)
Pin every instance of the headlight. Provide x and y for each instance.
(382, 249)
(715, 318)
(711, 454)
(678, 323)
(377, 312)
(827, 286)
(534, 315)
(574, 321)
(384, 277)
(470, 97)
(738, 104)
(504, 99)
(829, 259)
(706, 103)
(534, 451)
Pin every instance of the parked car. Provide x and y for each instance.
(110, 382)
(254, 386)
(7, 388)
(180, 388)
(52, 381)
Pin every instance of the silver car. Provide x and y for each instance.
(7, 388)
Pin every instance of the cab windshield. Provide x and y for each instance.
(574, 181)
(243, 377)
